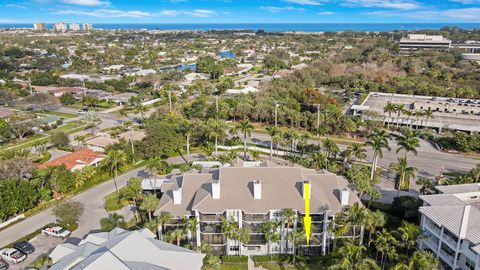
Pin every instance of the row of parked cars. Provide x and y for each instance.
(20, 250)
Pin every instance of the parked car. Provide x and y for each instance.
(56, 232)
(24, 247)
(12, 255)
(3, 265)
(83, 111)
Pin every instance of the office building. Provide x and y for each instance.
(87, 26)
(252, 194)
(60, 26)
(420, 41)
(451, 225)
(124, 250)
(74, 27)
(40, 26)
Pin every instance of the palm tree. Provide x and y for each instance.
(133, 191)
(426, 185)
(80, 139)
(420, 260)
(186, 128)
(289, 216)
(389, 108)
(404, 174)
(428, 114)
(408, 142)
(113, 221)
(319, 160)
(399, 109)
(177, 235)
(384, 243)
(243, 235)
(141, 109)
(354, 257)
(216, 130)
(409, 233)
(114, 160)
(272, 132)
(378, 140)
(357, 215)
(375, 220)
(229, 227)
(296, 237)
(207, 149)
(358, 151)
(246, 128)
(163, 218)
(149, 204)
(418, 115)
(347, 155)
(270, 230)
(475, 173)
(191, 225)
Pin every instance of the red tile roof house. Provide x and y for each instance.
(76, 160)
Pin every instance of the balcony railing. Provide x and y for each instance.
(449, 240)
(431, 244)
(256, 217)
(432, 227)
(446, 257)
(255, 227)
(212, 239)
(210, 228)
(211, 217)
(257, 240)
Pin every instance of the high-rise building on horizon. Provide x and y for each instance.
(60, 26)
(87, 26)
(40, 26)
(74, 27)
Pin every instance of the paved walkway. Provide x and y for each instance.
(92, 200)
(250, 264)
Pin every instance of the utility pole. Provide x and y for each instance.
(216, 103)
(318, 119)
(170, 99)
(30, 86)
(276, 113)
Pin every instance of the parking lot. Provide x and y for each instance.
(43, 246)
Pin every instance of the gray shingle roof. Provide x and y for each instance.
(136, 250)
(459, 188)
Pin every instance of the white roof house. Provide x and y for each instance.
(124, 250)
(246, 90)
(451, 223)
(196, 76)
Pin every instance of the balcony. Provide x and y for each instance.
(432, 227)
(256, 217)
(446, 257)
(431, 243)
(255, 227)
(211, 217)
(450, 241)
(210, 228)
(212, 239)
(257, 240)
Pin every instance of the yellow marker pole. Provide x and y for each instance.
(307, 220)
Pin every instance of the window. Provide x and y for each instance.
(469, 264)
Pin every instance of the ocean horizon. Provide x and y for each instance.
(269, 27)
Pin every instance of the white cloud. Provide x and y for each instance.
(393, 4)
(203, 13)
(461, 14)
(281, 9)
(466, 2)
(15, 6)
(304, 2)
(326, 13)
(170, 13)
(86, 2)
(106, 13)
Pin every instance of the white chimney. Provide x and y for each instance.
(344, 195)
(177, 196)
(465, 218)
(215, 189)
(309, 190)
(257, 190)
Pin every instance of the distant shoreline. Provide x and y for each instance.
(268, 27)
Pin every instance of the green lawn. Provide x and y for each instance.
(25, 143)
(280, 266)
(61, 114)
(113, 202)
(233, 267)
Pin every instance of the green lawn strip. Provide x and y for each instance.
(25, 143)
(233, 267)
(113, 202)
(60, 114)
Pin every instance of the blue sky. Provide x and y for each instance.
(243, 11)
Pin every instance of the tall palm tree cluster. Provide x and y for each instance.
(397, 110)
(395, 249)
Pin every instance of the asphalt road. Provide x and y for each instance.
(92, 200)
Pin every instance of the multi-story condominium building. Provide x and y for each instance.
(60, 26)
(252, 194)
(124, 250)
(87, 26)
(451, 224)
(40, 26)
(420, 41)
(74, 27)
